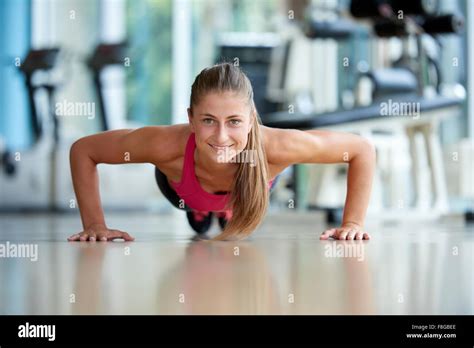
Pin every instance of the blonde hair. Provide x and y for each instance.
(249, 194)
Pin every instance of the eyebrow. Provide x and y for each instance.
(231, 116)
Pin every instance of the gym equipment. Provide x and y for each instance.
(391, 82)
(40, 180)
(30, 181)
(38, 61)
(445, 24)
(103, 56)
(407, 81)
(361, 114)
(252, 52)
(377, 8)
(6, 160)
(338, 29)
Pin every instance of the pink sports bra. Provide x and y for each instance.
(191, 191)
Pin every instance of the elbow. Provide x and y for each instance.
(367, 152)
(77, 150)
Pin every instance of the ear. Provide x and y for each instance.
(190, 119)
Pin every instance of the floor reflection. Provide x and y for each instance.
(228, 278)
(283, 270)
(219, 278)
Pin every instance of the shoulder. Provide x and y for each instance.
(168, 142)
(281, 145)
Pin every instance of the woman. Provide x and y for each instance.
(223, 161)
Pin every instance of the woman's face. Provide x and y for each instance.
(221, 123)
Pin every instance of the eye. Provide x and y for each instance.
(235, 122)
(207, 121)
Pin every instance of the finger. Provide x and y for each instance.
(102, 237)
(74, 237)
(351, 234)
(343, 233)
(328, 233)
(113, 234)
(92, 237)
(366, 236)
(359, 235)
(127, 237)
(116, 234)
(83, 237)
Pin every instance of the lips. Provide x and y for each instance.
(220, 147)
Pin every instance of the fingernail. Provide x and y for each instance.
(92, 239)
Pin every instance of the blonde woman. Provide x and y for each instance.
(223, 162)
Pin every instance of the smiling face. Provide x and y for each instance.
(221, 123)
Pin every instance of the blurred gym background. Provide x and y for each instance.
(71, 68)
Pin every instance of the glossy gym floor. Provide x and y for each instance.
(398, 73)
(406, 268)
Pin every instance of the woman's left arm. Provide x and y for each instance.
(293, 146)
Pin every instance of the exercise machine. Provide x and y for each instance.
(412, 79)
(103, 56)
(28, 177)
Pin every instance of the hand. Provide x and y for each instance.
(348, 231)
(101, 233)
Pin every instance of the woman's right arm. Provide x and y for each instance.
(111, 147)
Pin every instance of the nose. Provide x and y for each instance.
(221, 136)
